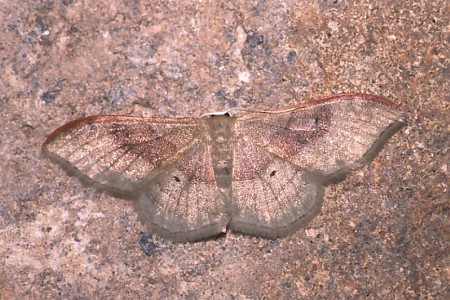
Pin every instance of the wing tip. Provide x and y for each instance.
(367, 158)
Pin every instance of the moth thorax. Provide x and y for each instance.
(221, 131)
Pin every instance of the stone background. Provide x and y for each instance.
(382, 233)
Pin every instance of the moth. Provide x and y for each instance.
(260, 173)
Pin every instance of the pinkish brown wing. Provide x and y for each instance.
(121, 153)
(183, 202)
(328, 137)
(164, 165)
(271, 196)
(283, 159)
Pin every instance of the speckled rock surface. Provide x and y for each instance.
(382, 234)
